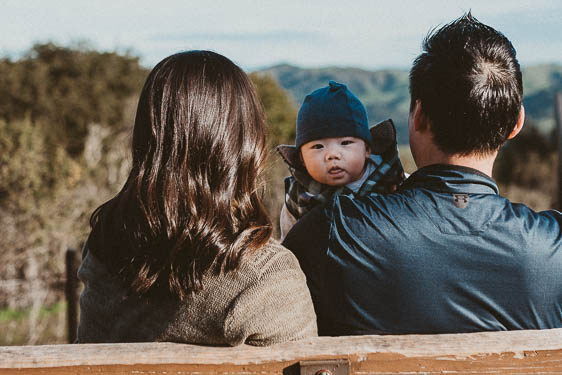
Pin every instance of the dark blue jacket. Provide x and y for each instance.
(445, 253)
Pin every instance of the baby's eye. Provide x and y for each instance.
(317, 146)
(346, 142)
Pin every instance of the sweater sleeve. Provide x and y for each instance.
(276, 308)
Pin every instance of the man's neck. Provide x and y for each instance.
(482, 163)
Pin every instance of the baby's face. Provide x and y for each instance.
(335, 161)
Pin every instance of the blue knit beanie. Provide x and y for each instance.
(332, 111)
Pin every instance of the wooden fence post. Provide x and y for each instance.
(71, 294)
(558, 115)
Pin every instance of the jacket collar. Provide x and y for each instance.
(451, 179)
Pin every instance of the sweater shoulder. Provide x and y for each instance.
(272, 257)
(275, 306)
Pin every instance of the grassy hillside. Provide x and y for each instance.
(385, 92)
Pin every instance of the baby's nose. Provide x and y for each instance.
(333, 155)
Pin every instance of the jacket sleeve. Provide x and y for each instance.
(276, 308)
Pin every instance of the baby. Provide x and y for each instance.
(336, 153)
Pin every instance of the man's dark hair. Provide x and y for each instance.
(470, 86)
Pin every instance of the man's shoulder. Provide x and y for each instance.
(543, 222)
(523, 209)
(438, 211)
(370, 205)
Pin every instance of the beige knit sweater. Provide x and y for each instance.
(266, 301)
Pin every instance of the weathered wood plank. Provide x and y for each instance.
(515, 352)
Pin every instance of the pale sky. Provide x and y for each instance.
(255, 34)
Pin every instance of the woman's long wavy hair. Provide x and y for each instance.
(193, 198)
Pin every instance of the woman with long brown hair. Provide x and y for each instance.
(183, 252)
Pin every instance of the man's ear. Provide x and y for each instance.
(419, 119)
(519, 124)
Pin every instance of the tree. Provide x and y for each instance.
(65, 115)
(281, 116)
(67, 89)
(280, 112)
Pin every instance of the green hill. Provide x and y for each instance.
(540, 83)
(385, 92)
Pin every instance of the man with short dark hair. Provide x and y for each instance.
(445, 253)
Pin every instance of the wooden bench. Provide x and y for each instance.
(515, 352)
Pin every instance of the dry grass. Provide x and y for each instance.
(34, 326)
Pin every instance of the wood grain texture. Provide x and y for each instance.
(515, 352)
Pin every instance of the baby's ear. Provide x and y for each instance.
(368, 150)
(384, 136)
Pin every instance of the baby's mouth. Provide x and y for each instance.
(335, 170)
